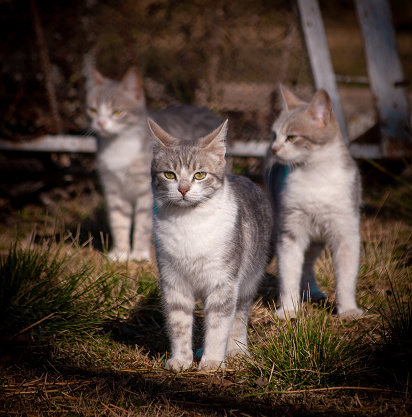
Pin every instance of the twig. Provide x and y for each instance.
(34, 324)
(271, 373)
(108, 408)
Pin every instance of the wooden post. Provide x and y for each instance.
(386, 77)
(319, 56)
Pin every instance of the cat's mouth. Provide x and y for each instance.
(105, 133)
(185, 202)
(103, 130)
(281, 160)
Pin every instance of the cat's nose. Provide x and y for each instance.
(274, 150)
(183, 190)
(102, 123)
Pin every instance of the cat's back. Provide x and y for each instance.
(254, 217)
(186, 121)
(250, 199)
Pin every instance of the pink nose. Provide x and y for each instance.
(274, 151)
(102, 123)
(183, 190)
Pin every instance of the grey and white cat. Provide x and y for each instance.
(212, 238)
(119, 118)
(315, 190)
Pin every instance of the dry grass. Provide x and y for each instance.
(115, 368)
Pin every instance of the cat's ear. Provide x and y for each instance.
(132, 83)
(216, 141)
(96, 77)
(218, 135)
(320, 108)
(289, 100)
(160, 138)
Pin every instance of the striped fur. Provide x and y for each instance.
(212, 241)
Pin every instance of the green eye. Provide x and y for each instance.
(291, 138)
(117, 112)
(170, 175)
(199, 175)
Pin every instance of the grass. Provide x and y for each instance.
(393, 341)
(51, 289)
(83, 336)
(308, 352)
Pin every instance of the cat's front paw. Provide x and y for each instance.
(140, 255)
(351, 313)
(177, 365)
(117, 255)
(211, 365)
(283, 314)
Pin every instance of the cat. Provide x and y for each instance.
(119, 119)
(212, 239)
(315, 190)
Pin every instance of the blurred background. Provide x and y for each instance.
(226, 55)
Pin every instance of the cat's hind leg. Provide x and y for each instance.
(346, 252)
(310, 289)
(120, 218)
(237, 342)
(219, 307)
(143, 227)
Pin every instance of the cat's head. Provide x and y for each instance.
(302, 128)
(186, 173)
(115, 106)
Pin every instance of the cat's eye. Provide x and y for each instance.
(92, 110)
(274, 136)
(199, 176)
(170, 175)
(117, 112)
(291, 138)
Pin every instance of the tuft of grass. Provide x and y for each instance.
(48, 289)
(397, 319)
(306, 352)
(394, 341)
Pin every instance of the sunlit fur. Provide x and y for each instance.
(315, 192)
(212, 241)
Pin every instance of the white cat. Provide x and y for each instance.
(315, 191)
(119, 119)
(212, 238)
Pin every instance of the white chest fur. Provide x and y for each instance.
(196, 238)
(119, 152)
(324, 184)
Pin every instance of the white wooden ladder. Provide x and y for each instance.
(391, 137)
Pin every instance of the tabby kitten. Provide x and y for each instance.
(315, 190)
(119, 119)
(212, 238)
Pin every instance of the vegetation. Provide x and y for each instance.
(309, 352)
(83, 336)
